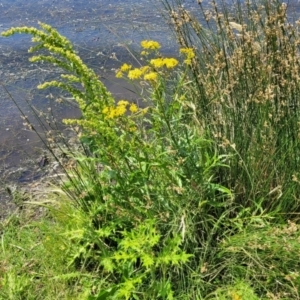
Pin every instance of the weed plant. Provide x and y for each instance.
(142, 180)
(187, 198)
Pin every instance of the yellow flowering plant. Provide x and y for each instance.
(139, 173)
(156, 67)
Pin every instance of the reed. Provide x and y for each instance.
(245, 87)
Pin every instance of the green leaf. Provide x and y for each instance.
(147, 260)
(104, 294)
(108, 264)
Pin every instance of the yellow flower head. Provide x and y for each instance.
(189, 54)
(125, 67)
(120, 110)
(157, 62)
(170, 62)
(133, 108)
(151, 76)
(119, 74)
(152, 45)
(123, 102)
(135, 74)
(105, 110)
(109, 111)
(160, 62)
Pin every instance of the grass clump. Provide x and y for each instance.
(189, 197)
(33, 261)
(245, 88)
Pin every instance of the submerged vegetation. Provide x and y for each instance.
(195, 195)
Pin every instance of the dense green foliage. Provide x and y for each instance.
(194, 196)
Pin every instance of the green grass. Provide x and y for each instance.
(194, 196)
(33, 261)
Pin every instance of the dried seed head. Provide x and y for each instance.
(236, 26)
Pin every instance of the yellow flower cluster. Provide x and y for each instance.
(133, 108)
(148, 72)
(119, 74)
(124, 68)
(161, 62)
(119, 110)
(189, 54)
(150, 76)
(135, 74)
(152, 45)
